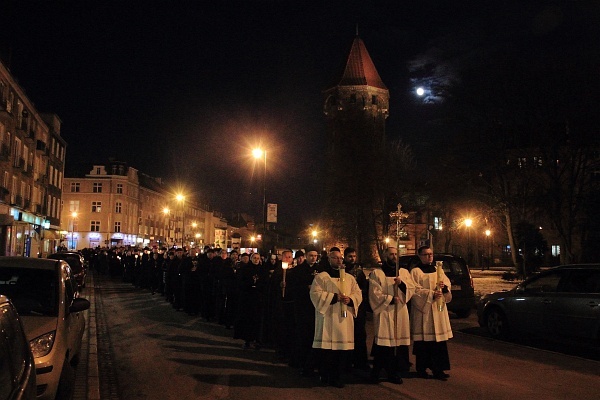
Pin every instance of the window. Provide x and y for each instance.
(97, 187)
(119, 188)
(437, 223)
(73, 205)
(75, 187)
(95, 226)
(96, 206)
(374, 100)
(118, 207)
(547, 283)
(555, 250)
(117, 226)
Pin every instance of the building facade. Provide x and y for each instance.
(32, 157)
(115, 205)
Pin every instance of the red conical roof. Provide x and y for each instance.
(360, 69)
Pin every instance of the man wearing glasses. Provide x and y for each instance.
(430, 324)
(336, 304)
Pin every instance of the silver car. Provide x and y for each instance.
(557, 303)
(45, 296)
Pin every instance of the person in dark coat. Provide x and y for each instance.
(252, 283)
(156, 271)
(299, 280)
(205, 272)
(360, 359)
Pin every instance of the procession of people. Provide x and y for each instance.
(310, 309)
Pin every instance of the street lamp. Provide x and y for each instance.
(468, 223)
(488, 234)
(73, 216)
(166, 212)
(260, 153)
(181, 199)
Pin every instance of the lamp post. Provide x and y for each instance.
(73, 216)
(468, 224)
(166, 212)
(181, 199)
(488, 234)
(260, 153)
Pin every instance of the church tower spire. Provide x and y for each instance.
(356, 106)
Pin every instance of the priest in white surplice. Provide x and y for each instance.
(430, 327)
(388, 295)
(334, 329)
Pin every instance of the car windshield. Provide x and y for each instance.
(73, 260)
(32, 291)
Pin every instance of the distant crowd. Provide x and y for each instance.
(310, 307)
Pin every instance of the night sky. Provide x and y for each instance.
(184, 90)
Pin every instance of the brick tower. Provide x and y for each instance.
(355, 107)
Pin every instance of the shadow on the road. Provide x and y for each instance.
(568, 347)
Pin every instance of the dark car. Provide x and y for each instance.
(560, 302)
(456, 269)
(76, 262)
(17, 368)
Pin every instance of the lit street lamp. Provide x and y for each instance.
(260, 153)
(166, 212)
(73, 216)
(468, 224)
(181, 199)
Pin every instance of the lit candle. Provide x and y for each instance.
(284, 266)
(439, 268)
(343, 290)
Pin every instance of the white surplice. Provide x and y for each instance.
(427, 322)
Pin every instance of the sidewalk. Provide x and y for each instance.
(87, 379)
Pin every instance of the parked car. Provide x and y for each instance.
(45, 295)
(560, 302)
(76, 262)
(456, 269)
(17, 369)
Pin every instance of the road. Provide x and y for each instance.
(147, 350)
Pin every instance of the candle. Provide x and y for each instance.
(284, 266)
(343, 290)
(440, 278)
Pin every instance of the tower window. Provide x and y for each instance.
(374, 100)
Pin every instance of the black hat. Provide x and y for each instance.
(299, 253)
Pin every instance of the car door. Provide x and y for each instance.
(575, 311)
(527, 308)
(74, 321)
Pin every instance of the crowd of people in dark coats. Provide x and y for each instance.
(264, 300)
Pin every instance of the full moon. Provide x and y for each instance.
(420, 91)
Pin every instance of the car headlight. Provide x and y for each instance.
(41, 345)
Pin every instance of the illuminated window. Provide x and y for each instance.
(555, 250)
(96, 206)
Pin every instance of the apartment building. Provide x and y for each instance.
(32, 157)
(116, 205)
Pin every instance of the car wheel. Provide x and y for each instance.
(463, 313)
(496, 323)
